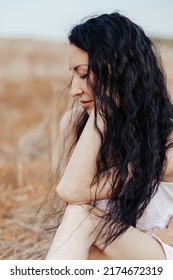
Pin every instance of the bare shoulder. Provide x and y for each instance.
(69, 119)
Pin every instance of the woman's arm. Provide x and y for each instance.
(79, 230)
(74, 186)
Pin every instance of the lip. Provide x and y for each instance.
(85, 104)
(85, 101)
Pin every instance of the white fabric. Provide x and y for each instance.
(168, 250)
(158, 212)
(156, 215)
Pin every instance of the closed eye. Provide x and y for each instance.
(83, 76)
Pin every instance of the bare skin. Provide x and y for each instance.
(81, 224)
(75, 238)
(166, 235)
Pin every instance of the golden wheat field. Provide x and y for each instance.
(33, 76)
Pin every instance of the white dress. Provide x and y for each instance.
(156, 215)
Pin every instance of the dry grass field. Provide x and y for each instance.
(32, 78)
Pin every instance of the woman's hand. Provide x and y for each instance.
(166, 235)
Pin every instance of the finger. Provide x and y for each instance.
(170, 224)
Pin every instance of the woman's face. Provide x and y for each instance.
(78, 64)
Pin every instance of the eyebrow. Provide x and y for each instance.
(77, 66)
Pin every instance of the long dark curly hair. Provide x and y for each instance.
(129, 91)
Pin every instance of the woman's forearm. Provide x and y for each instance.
(75, 235)
(79, 173)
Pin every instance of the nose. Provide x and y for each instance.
(76, 89)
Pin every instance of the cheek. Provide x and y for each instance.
(89, 93)
(88, 90)
(89, 87)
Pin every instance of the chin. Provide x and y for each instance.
(89, 111)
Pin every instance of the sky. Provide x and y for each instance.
(52, 19)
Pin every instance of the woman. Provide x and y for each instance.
(120, 161)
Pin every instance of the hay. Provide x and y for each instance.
(31, 84)
(32, 78)
(21, 233)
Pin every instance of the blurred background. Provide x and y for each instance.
(33, 78)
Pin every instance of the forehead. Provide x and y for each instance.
(77, 56)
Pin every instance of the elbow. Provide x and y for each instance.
(69, 194)
(63, 192)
